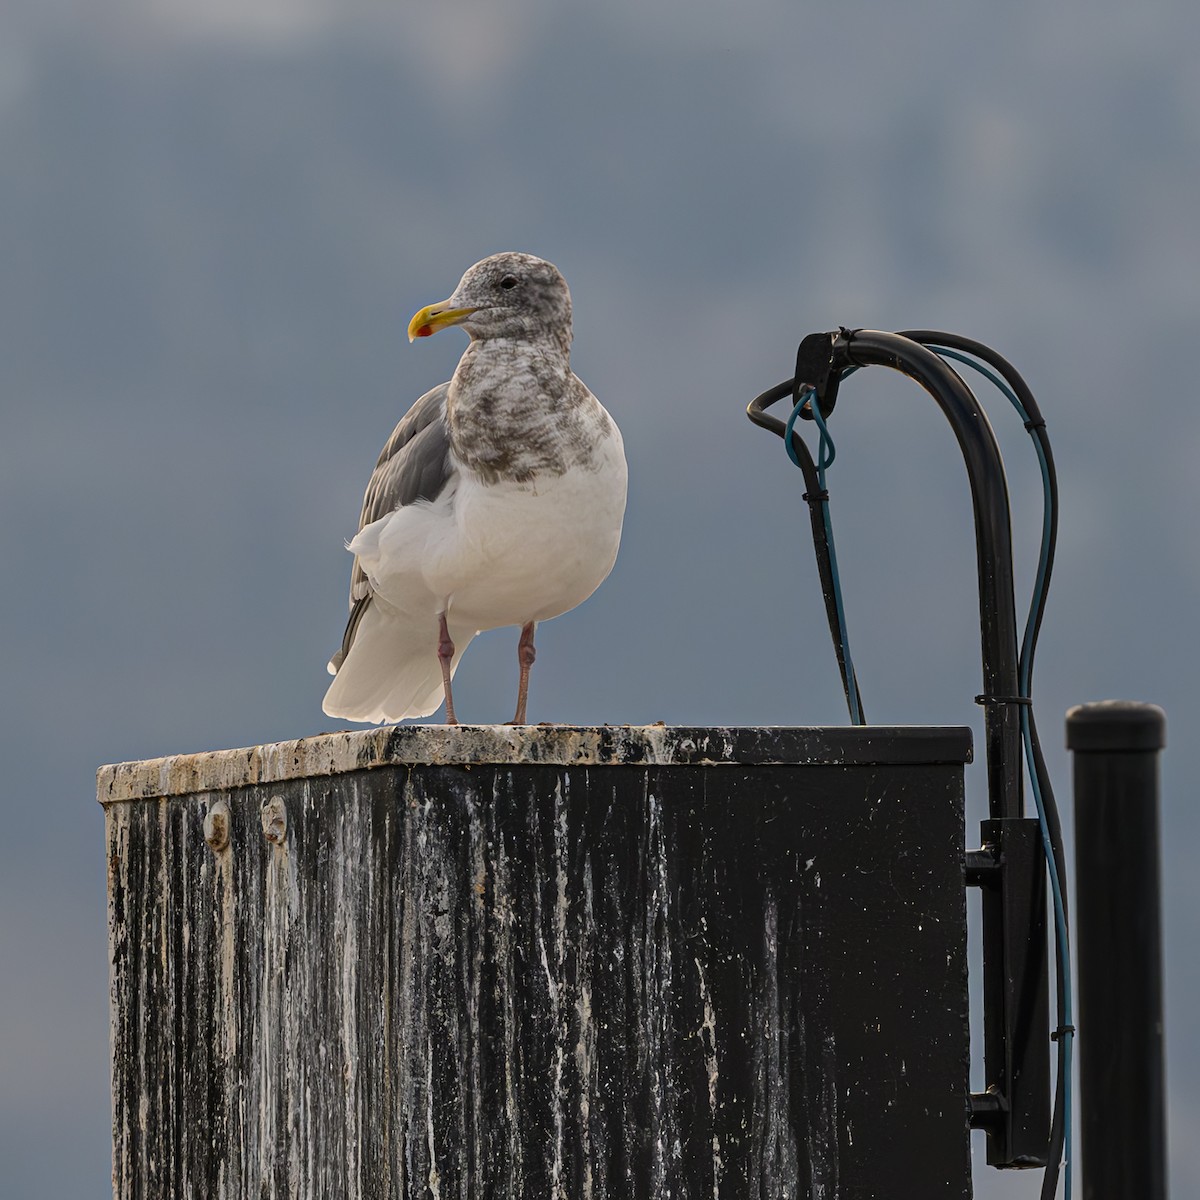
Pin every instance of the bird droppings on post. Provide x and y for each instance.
(467, 745)
(592, 965)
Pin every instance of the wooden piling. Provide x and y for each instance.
(542, 962)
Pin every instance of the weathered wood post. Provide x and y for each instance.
(542, 962)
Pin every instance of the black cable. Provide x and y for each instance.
(1036, 426)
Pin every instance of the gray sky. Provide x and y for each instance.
(218, 218)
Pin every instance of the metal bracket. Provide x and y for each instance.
(1015, 1109)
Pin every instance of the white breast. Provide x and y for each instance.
(528, 552)
(505, 553)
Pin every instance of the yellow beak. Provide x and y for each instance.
(434, 317)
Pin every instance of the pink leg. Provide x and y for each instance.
(525, 656)
(445, 655)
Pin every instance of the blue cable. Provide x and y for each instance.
(826, 453)
(1025, 687)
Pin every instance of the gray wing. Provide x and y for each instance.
(414, 465)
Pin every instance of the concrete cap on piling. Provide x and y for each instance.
(1116, 726)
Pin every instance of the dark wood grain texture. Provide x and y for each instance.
(607, 979)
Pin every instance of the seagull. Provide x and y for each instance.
(497, 501)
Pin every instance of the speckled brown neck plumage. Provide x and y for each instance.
(515, 411)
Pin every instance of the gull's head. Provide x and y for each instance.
(505, 296)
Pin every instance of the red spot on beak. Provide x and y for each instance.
(424, 331)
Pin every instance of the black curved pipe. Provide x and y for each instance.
(1035, 424)
(993, 537)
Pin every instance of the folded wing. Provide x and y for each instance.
(414, 465)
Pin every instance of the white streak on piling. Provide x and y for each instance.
(708, 1038)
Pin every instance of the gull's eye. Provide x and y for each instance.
(508, 282)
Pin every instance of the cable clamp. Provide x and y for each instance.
(1032, 425)
(985, 700)
(819, 366)
(1062, 1031)
(821, 497)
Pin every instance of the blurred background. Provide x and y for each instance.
(218, 217)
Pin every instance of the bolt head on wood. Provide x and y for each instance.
(216, 826)
(274, 821)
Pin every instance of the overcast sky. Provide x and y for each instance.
(218, 217)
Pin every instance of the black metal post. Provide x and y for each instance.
(1015, 1108)
(1118, 941)
(1016, 1026)
(1015, 978)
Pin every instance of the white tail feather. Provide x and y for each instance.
(392, 671)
